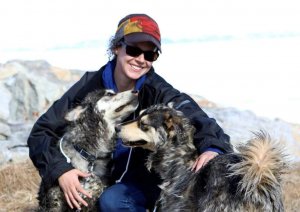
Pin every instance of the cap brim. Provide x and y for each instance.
(142, 37)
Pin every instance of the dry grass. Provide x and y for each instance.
(19, 186)
(291, 189)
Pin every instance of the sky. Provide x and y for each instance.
(237, 53)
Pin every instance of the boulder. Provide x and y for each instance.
(28, 88)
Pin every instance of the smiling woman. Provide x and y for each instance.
(133, 49)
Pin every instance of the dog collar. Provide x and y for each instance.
(86, 155)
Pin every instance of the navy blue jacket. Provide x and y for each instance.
(51, 126)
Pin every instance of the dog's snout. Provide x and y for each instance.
(135, 91)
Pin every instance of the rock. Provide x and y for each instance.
(32, 86)
(240, 126)
(28, 88)
(6, 98)
(4, 131)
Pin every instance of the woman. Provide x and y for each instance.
(134, 48)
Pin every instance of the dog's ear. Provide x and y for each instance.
(171, 104)
(168, 120)
(169, 124)
(177, 127)
(75, 113)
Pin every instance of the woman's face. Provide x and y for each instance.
(133, 67)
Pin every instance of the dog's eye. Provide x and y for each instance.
(110, 94)
(144, 126)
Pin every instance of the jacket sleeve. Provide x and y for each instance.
(49, 128)
(208, 135)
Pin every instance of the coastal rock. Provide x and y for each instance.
(28, 88)
(33, 86)
(241, 126)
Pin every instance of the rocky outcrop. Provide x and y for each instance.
(28, 88)
(241, 125)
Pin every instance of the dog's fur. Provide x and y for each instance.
(92, 129)
(247, 180)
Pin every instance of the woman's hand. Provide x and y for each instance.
(69, 183)
(203, 159)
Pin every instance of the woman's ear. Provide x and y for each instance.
(116, 50)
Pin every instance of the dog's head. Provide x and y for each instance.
(157, 126)
(113, 107)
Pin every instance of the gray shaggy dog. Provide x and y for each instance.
(88, 144)
(247, 180)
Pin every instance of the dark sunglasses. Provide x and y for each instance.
(135, 52)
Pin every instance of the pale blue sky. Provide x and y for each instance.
(46, 23)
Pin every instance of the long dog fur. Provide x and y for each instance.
(246, 180)
(92, 130)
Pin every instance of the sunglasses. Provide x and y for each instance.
(135, 52)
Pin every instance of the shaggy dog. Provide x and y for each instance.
(88, 144)
(248, 180)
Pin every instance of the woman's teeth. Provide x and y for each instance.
(136, 67)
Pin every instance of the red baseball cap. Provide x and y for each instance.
(139, 28)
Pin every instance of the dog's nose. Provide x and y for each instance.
(135, 91)
(118, 128)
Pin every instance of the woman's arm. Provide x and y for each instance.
(49, 128)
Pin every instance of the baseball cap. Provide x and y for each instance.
(139, 28)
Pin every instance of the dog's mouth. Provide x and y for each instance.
(133, 102)
(135, 143)
(121, 108)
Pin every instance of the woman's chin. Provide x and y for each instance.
(135, 75)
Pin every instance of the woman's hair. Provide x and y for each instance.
(114, 43)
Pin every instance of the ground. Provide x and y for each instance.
(19, 185)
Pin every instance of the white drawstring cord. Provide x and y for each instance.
(128, 160)
(62, 151)
(127, 164)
